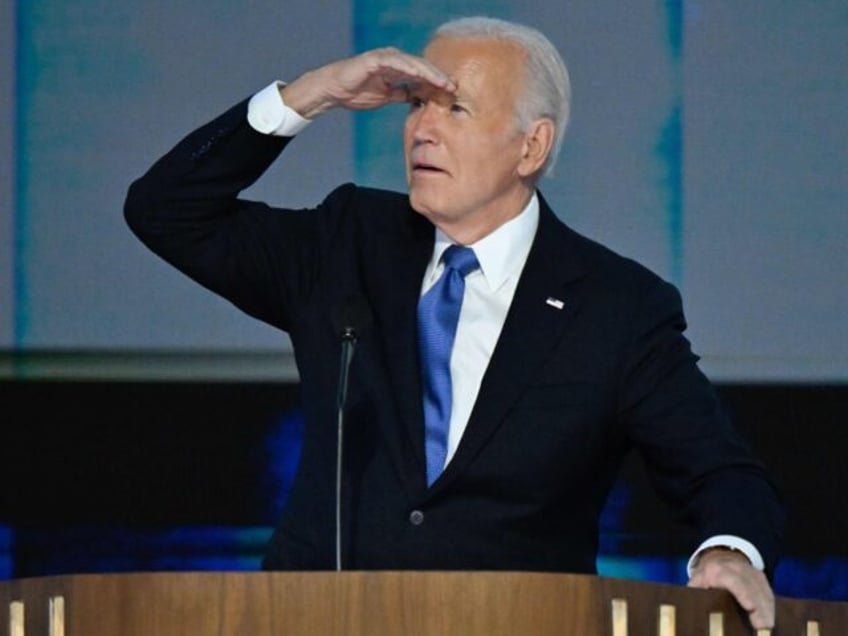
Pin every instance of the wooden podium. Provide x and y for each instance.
(384, 604)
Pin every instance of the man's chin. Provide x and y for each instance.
(426, 209)
(419, 202)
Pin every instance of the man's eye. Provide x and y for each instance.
(415, 103)
(456, 108)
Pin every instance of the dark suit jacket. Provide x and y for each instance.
(568, 392)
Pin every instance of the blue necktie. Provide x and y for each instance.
(438, 313)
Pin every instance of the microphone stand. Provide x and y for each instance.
(349, 338)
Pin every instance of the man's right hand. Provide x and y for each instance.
(362, 82)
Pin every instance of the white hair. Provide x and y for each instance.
(547, 88)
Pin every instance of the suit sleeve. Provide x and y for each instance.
(695, 457)
(186, 208)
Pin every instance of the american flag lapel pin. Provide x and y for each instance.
(556, 303)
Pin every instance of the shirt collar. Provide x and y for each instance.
(502, 253)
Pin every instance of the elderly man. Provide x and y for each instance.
(509, 364)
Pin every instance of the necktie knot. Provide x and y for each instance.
(460, 258)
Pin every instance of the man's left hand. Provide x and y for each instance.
(730, 570)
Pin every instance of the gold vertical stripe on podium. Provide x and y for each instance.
(619, 617)
(56, 608)
(763, 632)
(16, 618)
(813, 628)
(716, 624)
(667, 621)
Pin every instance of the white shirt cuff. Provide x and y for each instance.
(728, 541)
(268, 114)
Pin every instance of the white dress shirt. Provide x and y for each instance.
(488, 295)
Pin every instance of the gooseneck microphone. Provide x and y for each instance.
(351, 317)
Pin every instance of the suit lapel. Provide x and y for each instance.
(398, 273)
(530, 333)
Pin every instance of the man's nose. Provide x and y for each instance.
(426, 123)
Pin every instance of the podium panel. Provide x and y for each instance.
(384, 603)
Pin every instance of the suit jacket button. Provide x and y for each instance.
(416, 517)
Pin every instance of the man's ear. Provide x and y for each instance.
(538, 141)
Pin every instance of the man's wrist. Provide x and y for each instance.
(268, 114)
(727, 542)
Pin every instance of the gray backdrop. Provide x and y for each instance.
(708, 141)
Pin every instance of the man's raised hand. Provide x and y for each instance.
(362, 82)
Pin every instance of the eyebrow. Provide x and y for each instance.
(422, 89)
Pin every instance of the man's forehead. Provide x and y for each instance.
(471, 60)
(473, 44)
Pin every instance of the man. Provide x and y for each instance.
(565, 356)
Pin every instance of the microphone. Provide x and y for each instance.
(350, 317)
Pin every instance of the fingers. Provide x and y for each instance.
(731, 571)
(399, 70)
(362, 82)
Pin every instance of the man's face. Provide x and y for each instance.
(463, 150)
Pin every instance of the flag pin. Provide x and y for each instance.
(555, 302)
